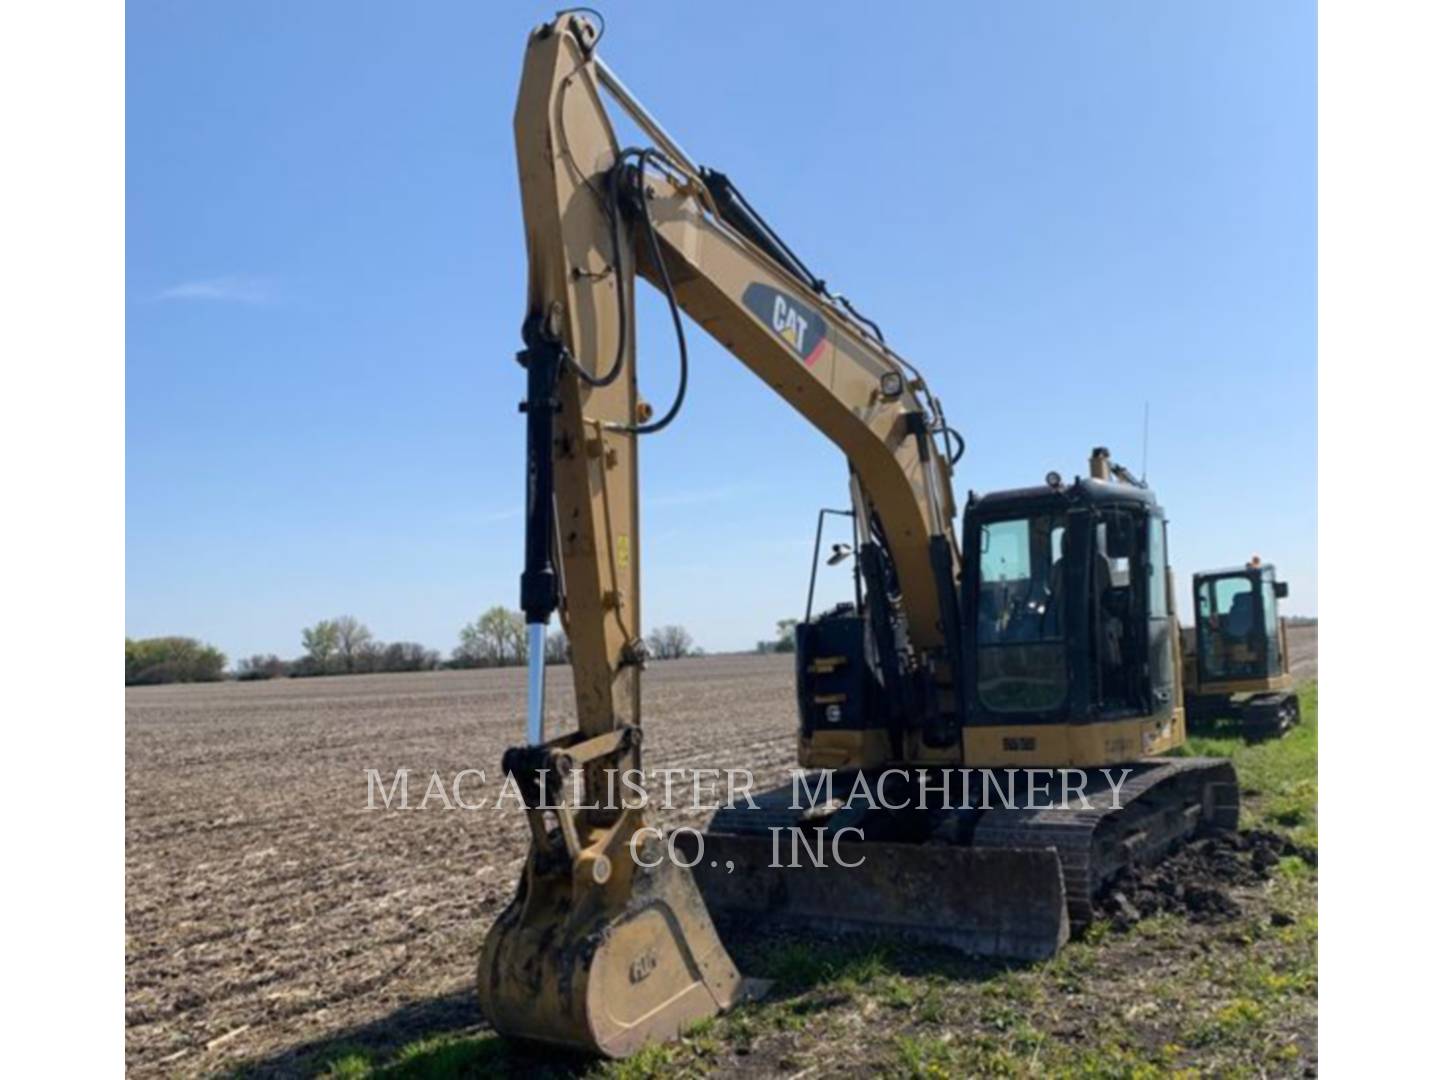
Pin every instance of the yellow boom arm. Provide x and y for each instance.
(586, 244)
(600, 950)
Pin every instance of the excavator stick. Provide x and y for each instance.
(607, 944)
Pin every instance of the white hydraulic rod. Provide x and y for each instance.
(535, 695)
(646, 122)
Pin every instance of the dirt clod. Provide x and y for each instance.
(1197, 880)
(1127, 911)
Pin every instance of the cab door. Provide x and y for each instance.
(1269, 627)
(1161, 655)
(1120, 635)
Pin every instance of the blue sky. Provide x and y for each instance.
(1058, 212)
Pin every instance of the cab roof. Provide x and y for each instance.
(1083, 490)
(1232, 571)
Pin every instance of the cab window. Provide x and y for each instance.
(1020, 633)
(1159, 600)
(1005, 552)
(1271, 625)
(1229, 623)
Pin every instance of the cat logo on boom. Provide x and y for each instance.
(796, 324)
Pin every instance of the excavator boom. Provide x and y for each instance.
(595, 217)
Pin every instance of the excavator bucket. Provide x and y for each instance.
(987, 902)
(607, 964)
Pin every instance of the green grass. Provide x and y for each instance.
(444, 1056)
(441, 1056)
(1281, 772)
(798, 966)
(1167, 998)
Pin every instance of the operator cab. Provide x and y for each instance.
(1066, 604)
(1237, 627)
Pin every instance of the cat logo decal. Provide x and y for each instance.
(798, 325)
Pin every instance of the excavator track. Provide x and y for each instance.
(1161, 802)
(1268, 716)
(1019, 880)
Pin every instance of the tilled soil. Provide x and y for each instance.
(1304, 642)
(269, 912)
(267, 908)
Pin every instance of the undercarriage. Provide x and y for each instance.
(989, 877)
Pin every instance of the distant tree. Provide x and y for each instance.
(476, 649)
(495, 639)
(321, 642)
(784, 639)
(557, 648)
(151, 661)
(408, 656)
(785, 635)
(367, 657)
(261, 666)
(670, 642)
(494, 632)
(517, 641)
(351, 638)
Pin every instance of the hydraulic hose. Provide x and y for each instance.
(668, 288)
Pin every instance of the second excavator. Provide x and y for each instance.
(1237, 659)
(1051, 648)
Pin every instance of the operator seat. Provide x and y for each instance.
(1241, 616)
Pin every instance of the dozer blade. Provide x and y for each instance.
(605, 970)
(1000, 902)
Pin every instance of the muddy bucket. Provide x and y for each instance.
(605, 971)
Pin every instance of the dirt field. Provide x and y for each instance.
(1304, 651)
(267, 908)
(270, 916)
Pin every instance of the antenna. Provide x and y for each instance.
(1145, 445)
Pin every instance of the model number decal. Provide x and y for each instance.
(798, 325)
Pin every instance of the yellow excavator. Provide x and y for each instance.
(1237, 659)
(1051, 650)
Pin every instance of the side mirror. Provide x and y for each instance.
(1282, 590)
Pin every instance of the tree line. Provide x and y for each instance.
(344, 645)
(784, 638)
(171, 659)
